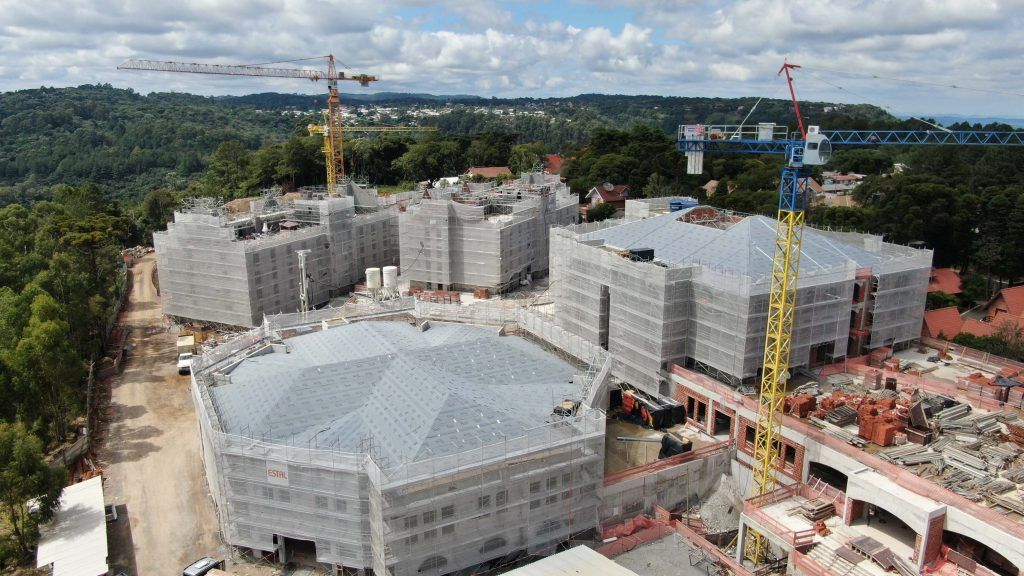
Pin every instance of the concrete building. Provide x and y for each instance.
(483, 236)
(402, 449)
(691, 287)
(233, 266)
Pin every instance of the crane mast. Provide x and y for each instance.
(334, 150)
(810, 147)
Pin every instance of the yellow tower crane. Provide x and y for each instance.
(334, 149)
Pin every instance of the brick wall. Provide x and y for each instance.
(933, 539)
(854, 510)
(792, 468)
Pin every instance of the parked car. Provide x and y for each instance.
(202, 567)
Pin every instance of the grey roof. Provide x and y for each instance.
(745, 248)
(416, 394)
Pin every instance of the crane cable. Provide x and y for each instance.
(891, 109)
(342, 64)
(921, 82)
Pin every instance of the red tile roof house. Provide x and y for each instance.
(946, 324)
(489, 172)
(944, 280)
(607, 193)
(1008, 301)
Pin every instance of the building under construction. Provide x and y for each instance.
(691, 287)
(399, 448)
(484, 236)
(233, 263)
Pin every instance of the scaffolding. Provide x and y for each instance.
(235, 262)
(478, 489)
(702, 300)
(484, 236)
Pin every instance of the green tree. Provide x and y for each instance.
(24, 477)
(524, 157)
(975, 289)
(47, 371)
(602, 211)
(228, 170)
(657, 186)
(938, 300)
(156, 210)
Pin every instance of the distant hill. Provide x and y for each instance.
(129, 143)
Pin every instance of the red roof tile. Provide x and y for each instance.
(979, 328)
(489, 171)
(1014, 298)
(553, 163)
(944, 280)
(610, 192)
(944, 322)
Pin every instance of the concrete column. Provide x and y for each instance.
(854, 510)
(931, 541)
(741, 541)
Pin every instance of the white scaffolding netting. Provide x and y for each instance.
(232, 264)
(315, 458)
(703, 300)
(479, 236)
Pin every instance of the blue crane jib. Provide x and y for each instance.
(694, 140)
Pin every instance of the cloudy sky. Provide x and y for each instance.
(852, 50)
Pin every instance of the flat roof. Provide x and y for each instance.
(75, 541)
(411, 394)
(578, 561)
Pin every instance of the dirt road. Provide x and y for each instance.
(151, 457)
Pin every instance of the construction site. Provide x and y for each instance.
(233, 263)
(483, 235)
(691, 287)
(688, 390)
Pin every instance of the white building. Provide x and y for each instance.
(74, 543)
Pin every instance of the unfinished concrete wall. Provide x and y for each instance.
(671, 488)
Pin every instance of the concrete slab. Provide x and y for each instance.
(672, 555)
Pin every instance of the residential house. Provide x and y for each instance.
(608, 193)
(840, 182)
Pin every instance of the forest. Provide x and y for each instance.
(129, 144)
(60, 279)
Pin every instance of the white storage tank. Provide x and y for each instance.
(373, 278)
(391, 277)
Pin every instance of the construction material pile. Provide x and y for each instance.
(977, 456)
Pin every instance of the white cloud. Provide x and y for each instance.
(693, 47)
